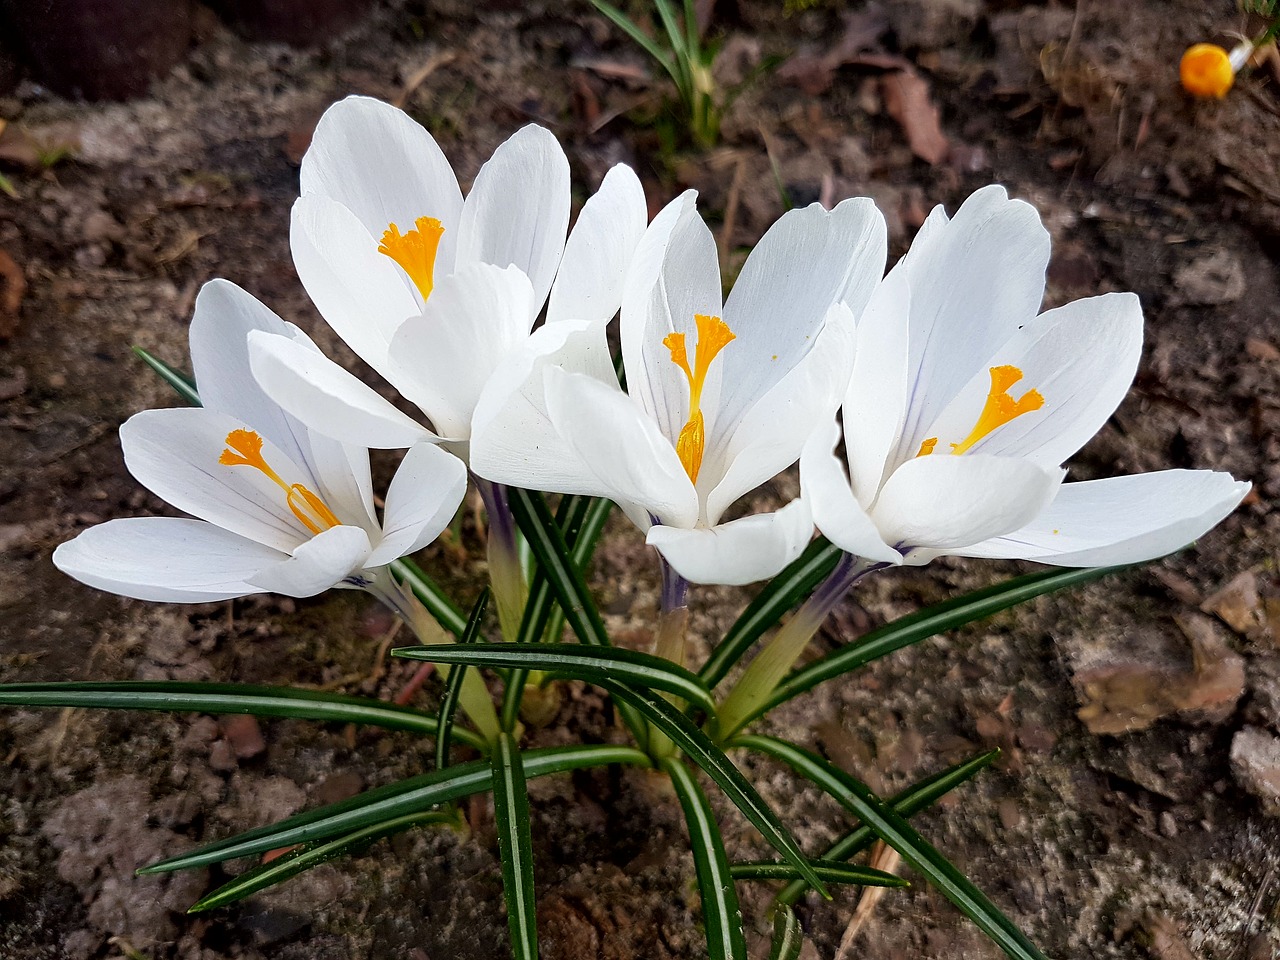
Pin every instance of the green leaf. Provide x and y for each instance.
(928, 623)
(179, 696)
(890, 827)
(906, 804)
(515, 846)
(433, 597)
(782, 593)
(699, 748)
(310, 855)
(593, 664)
(394, 800)
(721, 916)
(184, 384)
(453, 686)
(629, 27)
(832, 871)
(788, 938)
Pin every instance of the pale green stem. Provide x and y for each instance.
(506, 570)
(673, 629)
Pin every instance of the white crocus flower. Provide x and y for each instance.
(433, 291)
(279, 508)
(721, 397)
(964, 404)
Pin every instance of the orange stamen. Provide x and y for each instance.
(713, 336)
(244, 449)
(1206, 71)
(415, 251)
(999, 409)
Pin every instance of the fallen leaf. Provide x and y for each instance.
(12, 287)
(1237, 603)
(906, 98)
(814, 72)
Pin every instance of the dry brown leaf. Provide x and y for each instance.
(906, 98)
(12, 287)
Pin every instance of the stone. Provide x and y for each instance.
(1255, 762)
(1214, 279)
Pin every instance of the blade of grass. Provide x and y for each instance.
(832, 871)
(515, 846)
(788, 938)
(631, 29)
(179, 697)
(890, 827)
(432, 595)
(721, 915)
(453, 686)
(183, 384)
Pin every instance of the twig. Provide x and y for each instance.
(882, 858)
(441, 59)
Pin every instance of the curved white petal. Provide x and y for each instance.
(518, 209)
(174, 454)
(941, 502)
(1121, 519)
(164, 559)
(974, 280)
(424, 495)
(327, 398)
(807, 261)
(738, 552)
(589, 283)
(444, 357)
(771, 433)
(626, 457)
(361, 293)
(324, 561)
(382, 166)
(513, 440)
(1080, 357)
(836, 511)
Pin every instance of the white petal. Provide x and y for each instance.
(627, 458)
(423, 497)
(1081, 358)
(327, 398)
(323, 561)
(807, 261)
(771, 434)
(599, 250)
(174, 454)
(513, 440)
(164, 559)
(836, 511)
(739, 552)
(444, 357)
(518, 209)
(943, 502)
(974, 281)
(875, 403)
(362, 294)
(382, 166)
(1121, 519)
(675, 275)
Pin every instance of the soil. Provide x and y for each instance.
(1134, 811)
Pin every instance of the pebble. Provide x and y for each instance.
(1255, 762)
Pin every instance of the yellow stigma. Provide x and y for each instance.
(1206, 71)
(999, 409)
(713, 336)
(244, 449)
(415, 251)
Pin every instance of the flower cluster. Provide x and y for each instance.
(957, 400)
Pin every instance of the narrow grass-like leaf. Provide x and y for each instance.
(890, 827)
(175, 696)
(394, 800)
(631, 29)
(699, 748)
(593, 664)
(909, 802)
(788, 938)
(310, 855)
(928, 623)
(515, 846)
(832, 871)
(432, 595)
(453, 686)
(680, 54)
(182, 383)
(721, 916)
(782, 593)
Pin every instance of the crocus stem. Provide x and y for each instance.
(673, 629)
(774, 662)
(474, 700)
(506, 573)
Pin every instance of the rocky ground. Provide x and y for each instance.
(1133, 814)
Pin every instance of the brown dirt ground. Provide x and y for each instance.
(1139, 841)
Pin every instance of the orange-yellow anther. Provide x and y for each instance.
(1206, 70)
(713, 336)
(999, 409)
(415, 251)
(927, 447)
(244, 449)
